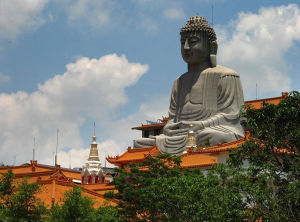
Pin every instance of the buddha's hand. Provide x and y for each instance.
(196, 125)
(174, 129)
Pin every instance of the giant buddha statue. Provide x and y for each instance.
(206, 99)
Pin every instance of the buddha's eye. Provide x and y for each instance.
(194, 40)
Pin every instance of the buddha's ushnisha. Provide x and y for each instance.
(208, 96)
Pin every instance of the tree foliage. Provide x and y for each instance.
(104, 214)
(6, 190)
(19, 203)
(77, 208)
(157, 190)
(260, 179)
(272, 185)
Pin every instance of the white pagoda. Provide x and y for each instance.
(92, 172)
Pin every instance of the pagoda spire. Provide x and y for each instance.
(92, 172)
(94, 156)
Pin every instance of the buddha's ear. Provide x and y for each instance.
(213, 48)
(213, 60)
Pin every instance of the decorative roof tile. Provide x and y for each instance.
(192, 160)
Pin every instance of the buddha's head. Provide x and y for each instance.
(198, 42)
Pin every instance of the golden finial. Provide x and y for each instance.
(94, 137)
(191, 139)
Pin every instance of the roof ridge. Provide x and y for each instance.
(284, 95)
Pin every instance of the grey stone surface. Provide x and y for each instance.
(208, 96)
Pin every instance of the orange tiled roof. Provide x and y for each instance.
(133, 155)
(100, 188)
(257, 104)
(37, 170)
(192, 160)
(55, 181)
(53, 190)
(25, 168)
(97, 187)
(225, 146)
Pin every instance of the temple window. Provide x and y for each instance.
(146, 133)
(156, 132)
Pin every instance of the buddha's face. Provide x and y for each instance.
(194, 48)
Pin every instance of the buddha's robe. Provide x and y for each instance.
(212, 101)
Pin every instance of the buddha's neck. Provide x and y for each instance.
(198, 68)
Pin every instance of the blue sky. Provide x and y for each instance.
(65, 64)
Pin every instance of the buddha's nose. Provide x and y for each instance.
(186, 44)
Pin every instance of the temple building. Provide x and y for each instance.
(55, 180)
(203, 157)
(95, 180)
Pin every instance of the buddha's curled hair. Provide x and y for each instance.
(197, 24)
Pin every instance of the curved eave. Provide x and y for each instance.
(114, 161)
(129, 155)
(223, 147)
(199, 165)
(149, 126)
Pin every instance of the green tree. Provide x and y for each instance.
(19, 203)
(6, 190)
(163, 192)
(6, 185)
(272, 180)
(260, 179)
(75, 207)
(104, 214)
(24, 204)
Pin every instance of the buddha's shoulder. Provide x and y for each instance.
(218, 71)
(183, 76)
(221, 70)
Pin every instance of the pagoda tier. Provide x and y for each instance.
(92, 172)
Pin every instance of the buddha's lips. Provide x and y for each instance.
(187, 54)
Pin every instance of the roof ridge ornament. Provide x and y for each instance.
(191, 140)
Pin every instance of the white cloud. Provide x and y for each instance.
(120, 135)
(89, 88)
(173, 13)
(257, 45)
(152, 110)
(20, 15)
(95, 13)
(77, 157)
(4, 78)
